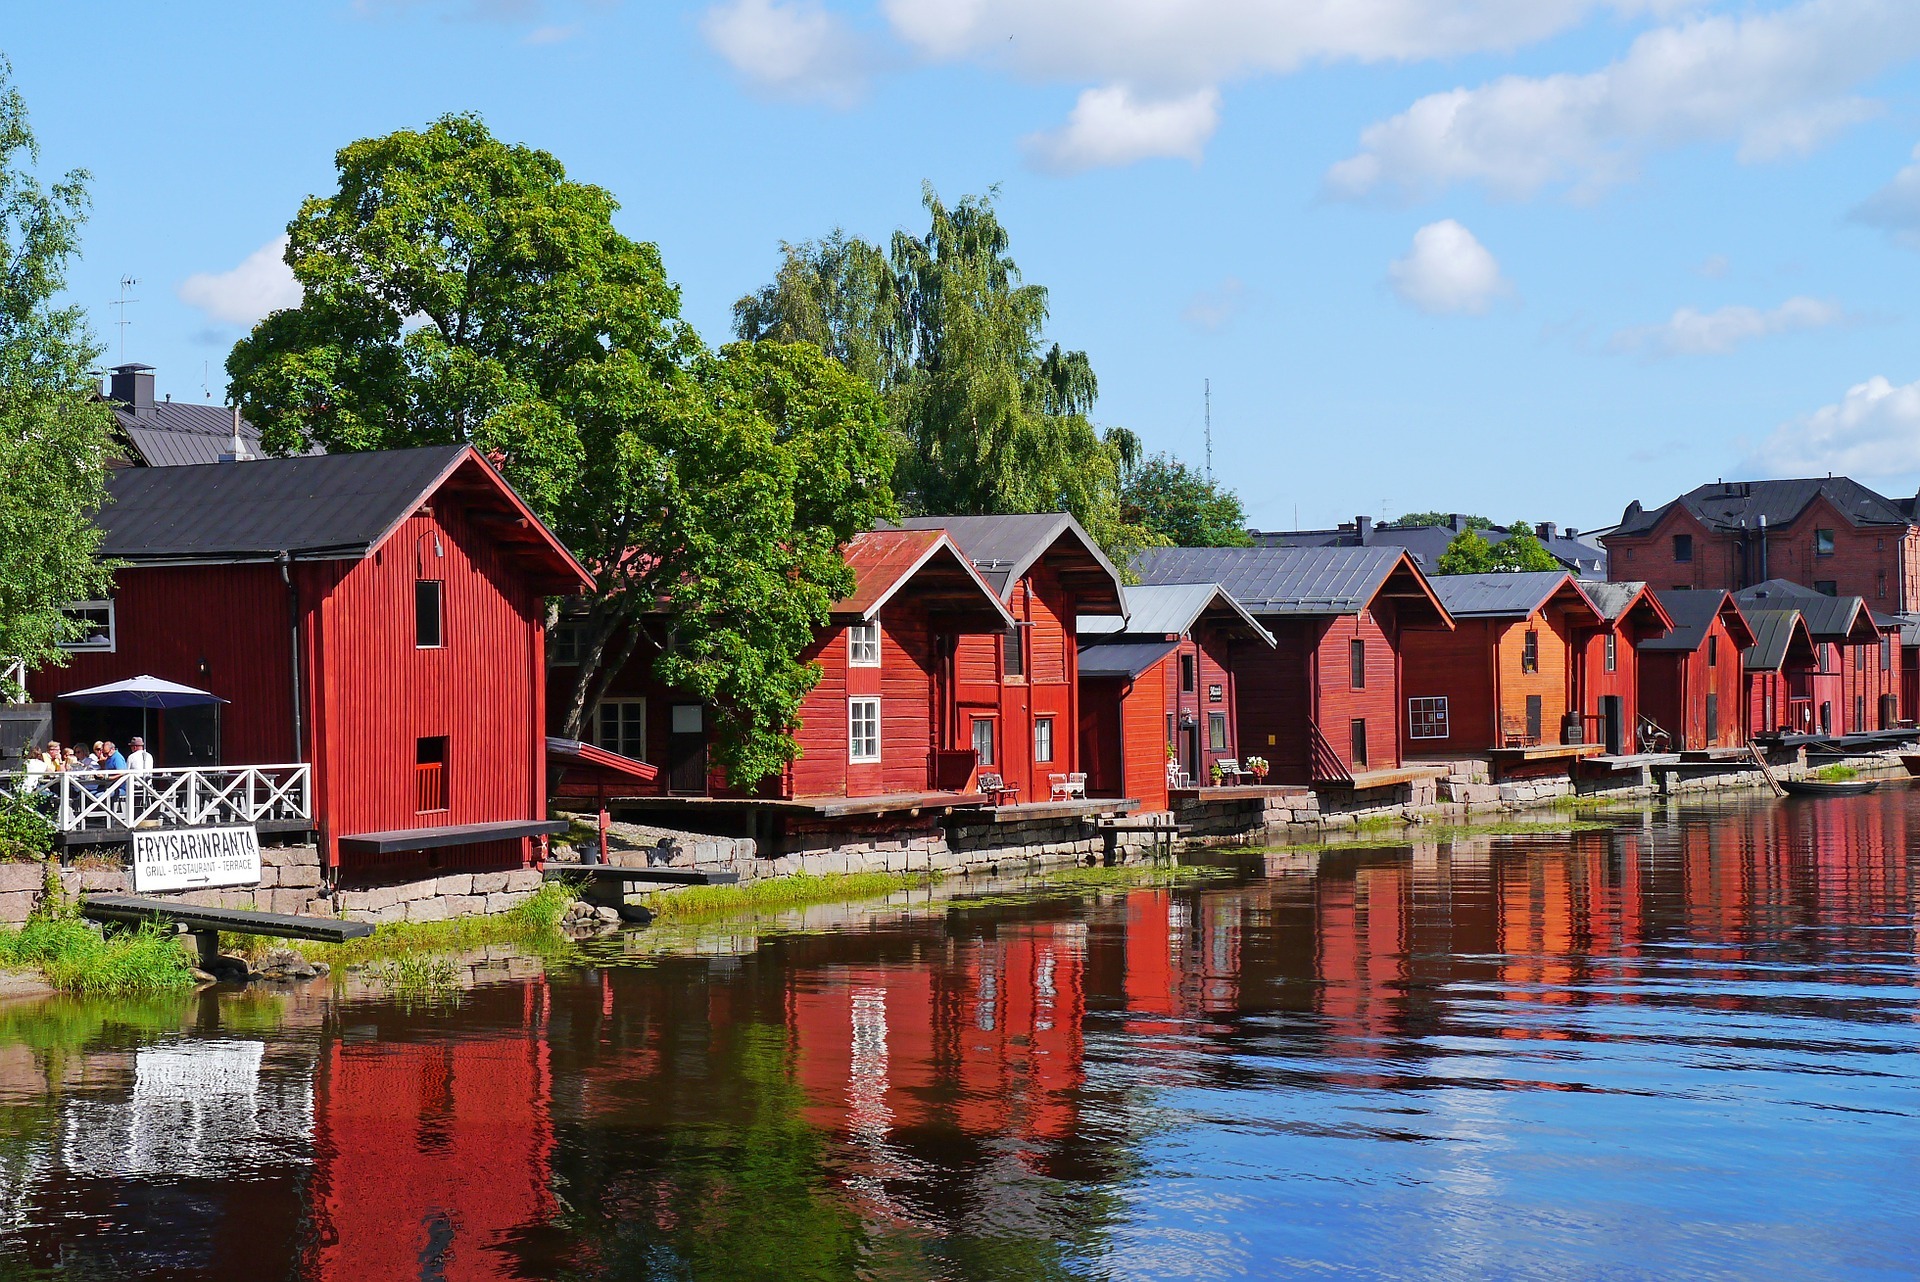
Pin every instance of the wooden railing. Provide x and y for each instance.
(13, 681)
(1799, 719)
(199, 796)
(429, 786)
(1326, 764)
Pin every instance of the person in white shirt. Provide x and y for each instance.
(139, 760)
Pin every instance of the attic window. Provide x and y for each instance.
(426, 614)
(1823, 542)
(863, 645)
(1682, 547)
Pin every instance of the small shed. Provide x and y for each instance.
(1780, 667)
(1630, 614)
(1692, 680)
(1158, 690)
(1855, 684)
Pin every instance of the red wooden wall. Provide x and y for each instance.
(1674, 686)
(1014, 704)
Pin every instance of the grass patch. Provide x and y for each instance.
(75, 958)
(534, 923)
(775, 893)
(416, 978)
(1834, 774)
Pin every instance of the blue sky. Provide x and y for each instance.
(1532, 258)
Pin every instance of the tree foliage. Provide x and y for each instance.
(1177, 503)
(1413, 520)
(1470, 552)
(54, 430)
(987, 416)
(459, 288)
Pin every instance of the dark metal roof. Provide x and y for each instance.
(1499, 595)
(180, 433)
(1283, 581)
(1172, 609)
(324, 504)
(1005, 547)
(1122, 658)
(1727, 505)
(1829, 618)
(1773, 638)
(1427, 542)
(1692, 611)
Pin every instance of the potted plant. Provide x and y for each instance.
(1257, 767)
(1215, 773)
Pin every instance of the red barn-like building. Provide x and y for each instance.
(1324, 706)
(1855, 685)
(1693, 680)
(1158, 688)
(379, 615)
(1780, 671)
(1630, 615)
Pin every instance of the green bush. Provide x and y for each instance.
(25, 830)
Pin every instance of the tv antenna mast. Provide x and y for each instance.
(1207, 419)
(126, 283)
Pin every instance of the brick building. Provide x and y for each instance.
(1833, 535)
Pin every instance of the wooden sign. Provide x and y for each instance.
(190, 858)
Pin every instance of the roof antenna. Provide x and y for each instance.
(126, 283)
(1207, 384)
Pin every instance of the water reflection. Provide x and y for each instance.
(1680, 1045)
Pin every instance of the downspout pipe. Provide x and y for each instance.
(285, 561)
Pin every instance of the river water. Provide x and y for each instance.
(1681, 1046)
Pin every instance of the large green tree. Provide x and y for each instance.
(54, 430)
(988, 416)
(1174, 502)
(460, 288)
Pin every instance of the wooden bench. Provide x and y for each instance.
(622, 873)
(205, 924)
(997, 792)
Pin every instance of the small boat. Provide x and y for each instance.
(1911, 760)
(1828, 787)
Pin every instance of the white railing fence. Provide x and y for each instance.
(198, 796)
(13, 681)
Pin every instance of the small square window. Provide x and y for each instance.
(568, 644)
(426, 614)
(863, 729)
(95, 631)
(863, 645)
(1683, 547)
(620, 725)
(1043, 739)
(1427, 718)
(1823, 542)
(1827, 587)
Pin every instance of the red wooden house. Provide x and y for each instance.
(1780, 669)
(1018, 693)
(1693, 680)
(378, 615)
(884, 718)
(1856, 677)
(1324, 706)
(1157, 690)
(1630, 614)
(1507, 675)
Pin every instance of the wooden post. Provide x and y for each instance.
(207, 945)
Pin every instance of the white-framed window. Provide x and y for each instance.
(620, 725)
(1613, 653)
(1043, 739)
(1427, 718)
(96, 623)
(568, 644)
(428, 604)
(863, 645)
(983, 740)
(863, 730)
(1217, 732)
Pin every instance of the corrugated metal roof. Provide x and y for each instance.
(1772, 637)
(1488, 595)
(1692, 612)
(1297, 581)
(1004, 547)
(1829, 618)
(882, 560)
(181, 433)
(1155, 610)
(1725, 505)
(1123, 658)
(1427, 542)
(338, 503)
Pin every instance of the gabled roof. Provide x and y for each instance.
(1693, 611)
(1774, 635)
(1170, 609)
(1728, 505)
(183, 433)
(313, 508)
(1909, 628)
(1123, 659)
(885, 561)
(1616, 601)
(1829, 618)
(1302, 582)
(1499, 596)
(1003, 548)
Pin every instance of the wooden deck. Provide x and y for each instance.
(1238, 792)
(120, 836)
(1382, 778)
(1090, 807)
(1546, 752)
(907, 803)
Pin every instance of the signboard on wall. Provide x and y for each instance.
(192, 858)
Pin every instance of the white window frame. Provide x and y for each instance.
(993, 736)
(863, 741)
(113, 635)
(1612, 653)
(1424, 714)
(439, 587)
(1040, 757)
(621, 743)
(863, 645)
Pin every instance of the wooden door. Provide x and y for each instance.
(687, 750)
(1533, 718)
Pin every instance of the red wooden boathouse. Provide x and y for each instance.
(379, 615)
(1630, 615)
(1856, 676)
(1780, 667)
(1323, 707)
(1693, 680)
(1158, 689)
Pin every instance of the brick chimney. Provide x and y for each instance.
(1544, 530)
(132, 386)
(1456, 521)
(1363, 527)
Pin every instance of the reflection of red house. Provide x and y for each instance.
(1630, 615)
(379, 615)
(1693, 680)
(1324, 706)
(1018, 693)
(1158, 688)
(431, 1153)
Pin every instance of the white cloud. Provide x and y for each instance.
(1715, 266)
(1873, 431)
(262, 283)
(1895, 208)
(1112, 127)
(1447, 271)
(1695, 333)
(1211, 309)
(1778, 83)
(551, 35)
(794, 48)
